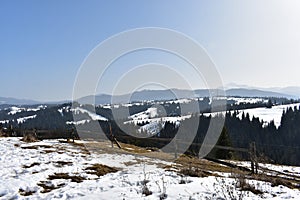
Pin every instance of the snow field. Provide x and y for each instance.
(24, 165)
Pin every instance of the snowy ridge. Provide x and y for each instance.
(93, 116)
(148, 114)
(267, 115)
(243, 100)
(14, 109)
(154, 123)
(23, 119)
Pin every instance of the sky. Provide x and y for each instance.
(44, 43)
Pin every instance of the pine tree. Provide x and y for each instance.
(224, 140)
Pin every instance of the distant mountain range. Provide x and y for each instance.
(14, 101)
(147, 95)
(291, 91)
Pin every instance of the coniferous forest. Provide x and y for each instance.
(278, 145)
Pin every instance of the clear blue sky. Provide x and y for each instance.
(43, 43)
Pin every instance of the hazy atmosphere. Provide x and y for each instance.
(150, 99)
(43, 43)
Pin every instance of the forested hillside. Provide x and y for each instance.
(275, 144)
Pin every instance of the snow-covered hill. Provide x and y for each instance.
(30, 171)
(266, 115)
(153, 122)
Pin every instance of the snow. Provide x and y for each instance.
(37, 109)
(4, 121)
(264, 114)
(64, 109)
(93, 116)
(78, 122)
(268, 114)
(124, 184)
(152, 128)
(154, 123)
(148, 114)
(14, 110)
(180, 101)
(23, 119)
(242, 100)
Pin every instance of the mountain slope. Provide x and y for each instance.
(15, 101)
(159, 95)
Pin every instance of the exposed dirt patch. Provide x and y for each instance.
(30, 147)
(31, 165)
(251, 189)
(48, 186)
(195, 172)
(30, 137)
(73, 178)
(26, 192)
(191, 162)
(100, 170)
(280, 181)
(36, 147)
(62, 163)
(48, 151)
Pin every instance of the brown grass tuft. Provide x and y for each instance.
(31, 165)
(100, 170)
(48, 186)
(26, 193)
(77, 179)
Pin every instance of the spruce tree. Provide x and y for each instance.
(224, 140)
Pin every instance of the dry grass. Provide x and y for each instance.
(48, 186)
(29, 138)
(62, 163)
(48, 151)
(36, 147)
(4, 134)
(134, 149)
(100, 170)
(31, 165)
(30, 147)
(26, 193)
(252, 189)
(77, 179)
(281, 181)
(17, 145)
(202, 164)
(195, 172)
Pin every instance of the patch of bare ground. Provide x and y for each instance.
(134, 149)
(31, 165)
(62, 163)
(252, 189)
(205, 165)
(3, 134)
(29, 137)
(26, 192)
(276, 181)
(48, 186)
(185, 165)
(100, 170)
(48, 151)
(83, 148)
(30, 147)
(195, 172)
(17, 145)
(73, 178)
(36, 147)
